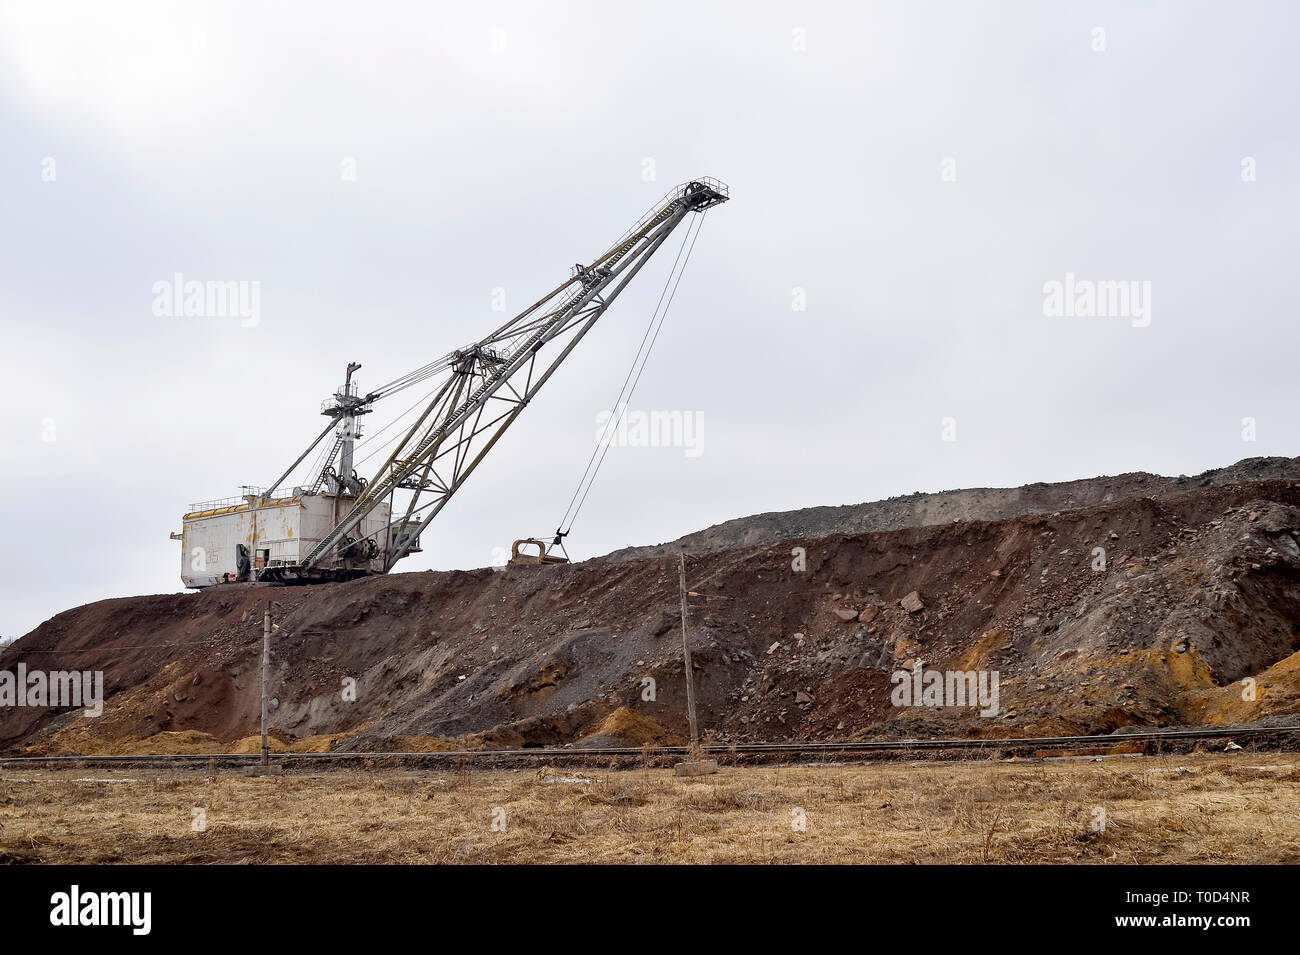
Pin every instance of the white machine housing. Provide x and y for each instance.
(275, 533)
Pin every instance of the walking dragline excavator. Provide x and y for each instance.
(340, 526)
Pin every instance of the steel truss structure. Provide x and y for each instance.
(488, 384)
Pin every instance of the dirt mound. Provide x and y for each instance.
(76, 740)
(1147, 611)
(252, 745)
(970, 504)
(627, 727)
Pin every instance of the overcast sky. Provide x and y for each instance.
(914, 174)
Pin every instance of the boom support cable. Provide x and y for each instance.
(625, 393)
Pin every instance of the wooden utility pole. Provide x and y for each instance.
(266, 677)
(695, 764)
(686, 657)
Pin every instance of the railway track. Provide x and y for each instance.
(730, 752)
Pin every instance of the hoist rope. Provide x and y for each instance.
(625, 393)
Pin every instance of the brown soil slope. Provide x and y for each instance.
(1199, 589)
(972, 504)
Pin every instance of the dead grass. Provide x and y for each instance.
(1238, 808)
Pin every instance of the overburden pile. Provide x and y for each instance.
(1128, 601)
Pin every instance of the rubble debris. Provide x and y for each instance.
(1161, 635)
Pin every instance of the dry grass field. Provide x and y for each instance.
(1230, 808)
